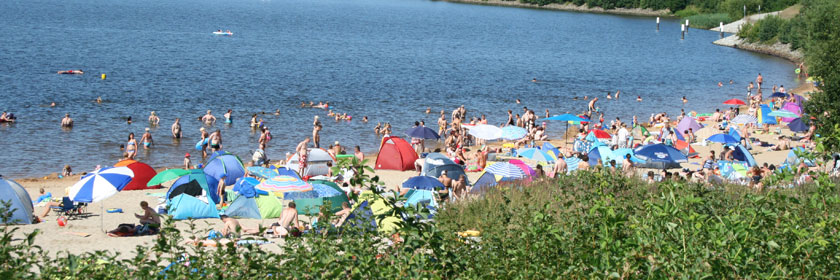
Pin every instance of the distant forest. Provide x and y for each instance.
(722, 6)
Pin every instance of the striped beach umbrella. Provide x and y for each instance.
(284, 183)
(100, 184)
(782, 113)
(525, 168)
(485, 131)
(513, 133)
(506, 170)
(535, 155)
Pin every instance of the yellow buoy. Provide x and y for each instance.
(103, 76)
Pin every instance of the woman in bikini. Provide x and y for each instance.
(131, 146)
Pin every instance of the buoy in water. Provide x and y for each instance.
(103, 76)
(796, 71)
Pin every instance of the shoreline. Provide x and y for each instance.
(777, 49)
(569, 7)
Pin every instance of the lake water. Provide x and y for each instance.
(385, 59)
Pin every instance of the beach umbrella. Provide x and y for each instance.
(284, 183)
(600, 134)
(485, 132)
(722, 138)
(601, 152)
(513, 132)
(778, 95)
(659, 153)
(551, 150)
(566, 118)
(535, 155)
(744, 119)
(525, 168)
(506, 170)
(705, 132)
(793, 108)
(688, 123)
(783, 114)
(734, 101)
(422, 183)
(263, 172)
(100, 184)
(422, 132)
(142, 174)
(224, 164)
(166, 176)
(685, 148)
(796, 125)
(318, 191)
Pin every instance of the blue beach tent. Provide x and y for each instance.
(185, 206)
(21, 203)
(742, 154)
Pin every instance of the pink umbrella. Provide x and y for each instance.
(525, 168)
(792, 107)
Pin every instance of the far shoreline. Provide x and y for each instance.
(569, 7)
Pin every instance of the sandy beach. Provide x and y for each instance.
(85, 233)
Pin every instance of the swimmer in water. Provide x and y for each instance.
(208, 118)
(575, 98)
(617, 93)
(99, 99)
(228, 116)
(609, 95)
(731, 82)
(277, 113)
(720, 84)
(428, 110)
(364, 119)
(534, 80)
(75, 72)
(684, 101)
(639, 98)
(52, 104)
(128, 121)
(586, 97)
(518, 101)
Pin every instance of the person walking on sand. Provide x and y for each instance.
(176, 129)
(131, 146)
(67, 122)
(147, 139)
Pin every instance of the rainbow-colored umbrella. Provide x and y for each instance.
(284, 183)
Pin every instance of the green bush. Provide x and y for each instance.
(706, 21)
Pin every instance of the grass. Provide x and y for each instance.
(707, 21)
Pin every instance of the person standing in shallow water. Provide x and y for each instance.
(131, 146)
(176, 128)
(67, 122)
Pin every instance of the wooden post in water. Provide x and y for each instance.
(721, 30)
(657, 23)
(682, 28)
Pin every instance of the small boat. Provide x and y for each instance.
(228, 33)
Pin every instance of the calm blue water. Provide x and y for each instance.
(386, 59)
